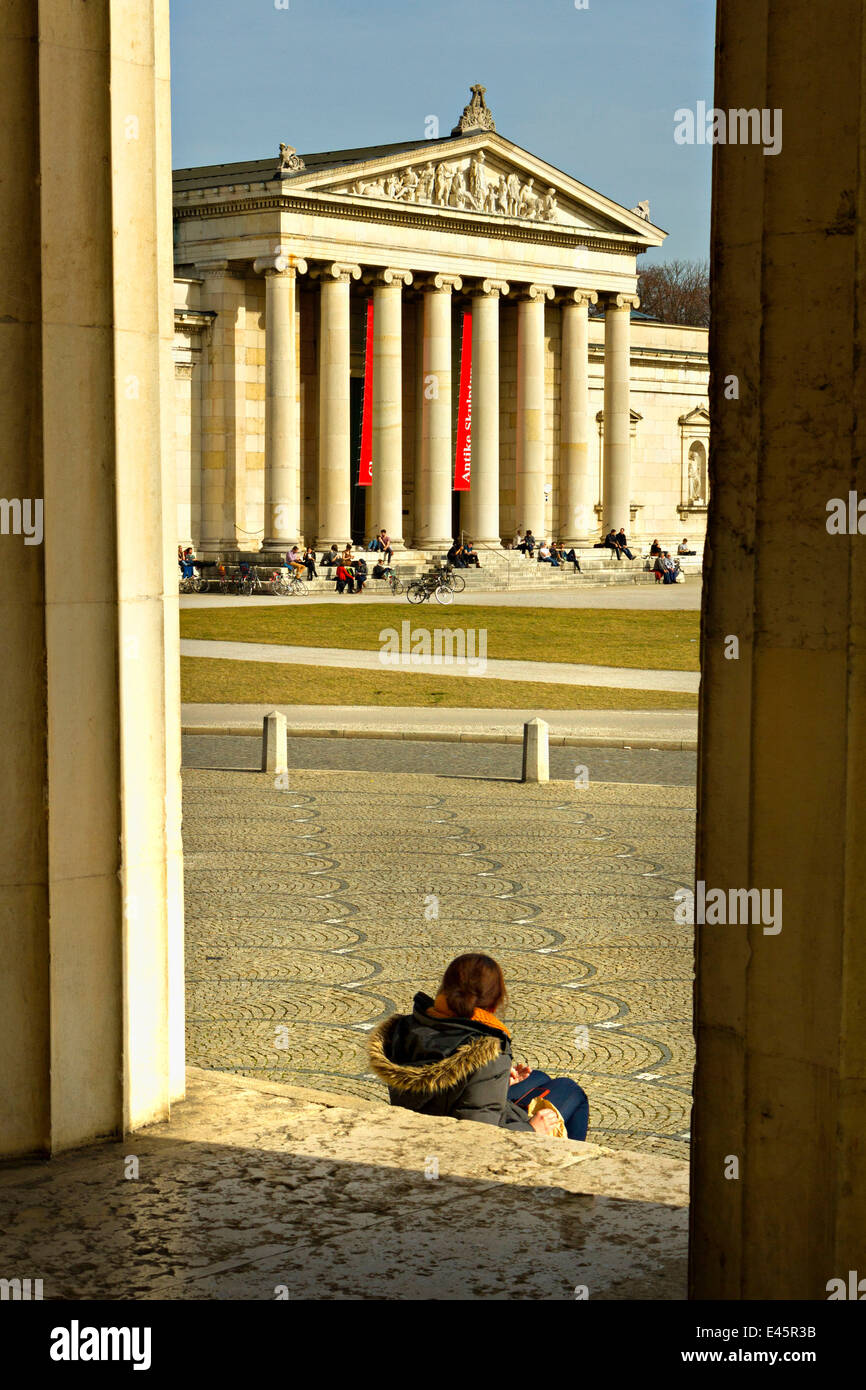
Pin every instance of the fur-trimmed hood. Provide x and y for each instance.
(471, 1050)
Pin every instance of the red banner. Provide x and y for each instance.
(463, 451)
(365, 468)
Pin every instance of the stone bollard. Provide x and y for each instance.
(536, 755)
(275, 748)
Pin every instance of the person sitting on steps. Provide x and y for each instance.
(452, 1056)
(622, 545)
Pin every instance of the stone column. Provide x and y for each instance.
(437, 460)
(779, 1016)
(90, 891)
(224, 419)
(577, 485)
(213, 424)
(617, 411)
(335, 495)
(483, 501)
(282, 418)
(387, 489)
(530, 408)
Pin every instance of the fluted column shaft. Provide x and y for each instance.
(617, 415)
(434, 526)
(530, 408)
(282, 421)
(483, 498)
(334, 509)
(576, 483)
(387, 489)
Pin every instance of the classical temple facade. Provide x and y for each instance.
(584, 414)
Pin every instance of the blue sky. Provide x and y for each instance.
(592, 91)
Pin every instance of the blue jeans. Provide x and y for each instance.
(569, 1099)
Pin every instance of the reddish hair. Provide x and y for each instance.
(474, 982)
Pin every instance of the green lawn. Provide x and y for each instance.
(207, 680)
(601, 637)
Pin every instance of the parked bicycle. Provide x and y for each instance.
(429, 586)
(454, 580)
(289, 584)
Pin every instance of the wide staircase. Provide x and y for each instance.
(507, 570)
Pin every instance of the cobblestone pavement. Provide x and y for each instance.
(445, 759)
(311, 915)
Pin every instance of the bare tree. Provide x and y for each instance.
(676, 292)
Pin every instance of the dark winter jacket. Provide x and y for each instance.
(446, 1066)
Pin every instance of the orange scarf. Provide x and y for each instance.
(441, 1010)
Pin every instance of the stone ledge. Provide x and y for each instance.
(247, 730)
(254, 1186)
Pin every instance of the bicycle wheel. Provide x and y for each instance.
(396, 586)
(416, 593)
(443, 594)
(199, 585)
(298, 585)
(282, 585)
(457, 583)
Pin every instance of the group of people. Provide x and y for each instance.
(462, 554)
(665, 567)
(548, 552)
(617, 541)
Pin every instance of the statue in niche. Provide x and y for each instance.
(696, 476)
(513, 184)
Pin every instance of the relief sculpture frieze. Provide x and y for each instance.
(470, 186)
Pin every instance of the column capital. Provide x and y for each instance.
(621, 301)
(581, 298)
(387, 275)
(280, 263)
(445, 283)
(336, 270)
(491, 289)
(535, 293)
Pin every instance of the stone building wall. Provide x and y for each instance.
(220, 412)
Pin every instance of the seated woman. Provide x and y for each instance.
(452, 1056)
(655, 548)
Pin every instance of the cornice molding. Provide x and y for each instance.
(491, 227)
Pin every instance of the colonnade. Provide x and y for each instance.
(435, 465)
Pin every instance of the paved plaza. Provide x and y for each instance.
(314, 912)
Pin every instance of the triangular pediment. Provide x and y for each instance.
(481, 175)
(699, 416)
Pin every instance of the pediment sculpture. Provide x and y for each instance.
(470, 185)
